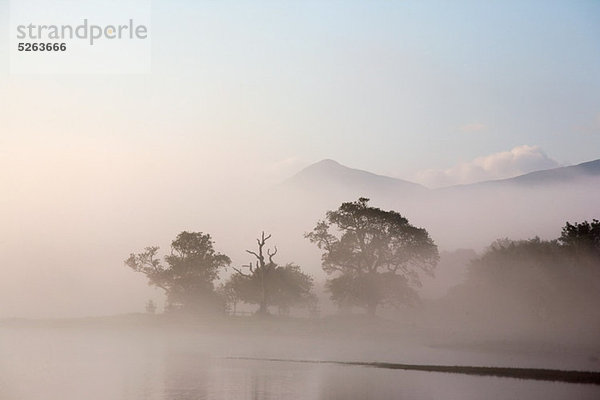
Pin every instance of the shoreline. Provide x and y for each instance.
(539, 374)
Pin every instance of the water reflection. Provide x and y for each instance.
(74, 365)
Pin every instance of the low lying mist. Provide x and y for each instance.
(200, 293)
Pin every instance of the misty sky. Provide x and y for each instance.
(396, 87)
(244, 94)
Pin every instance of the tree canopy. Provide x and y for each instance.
(582, 240)
(535, 280)
(374, 255)
(187, 274)
(267, 284)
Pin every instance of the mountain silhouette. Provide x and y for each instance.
(519, 207)
(329, 174)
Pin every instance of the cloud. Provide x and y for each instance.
(473, 127)
(506, 164)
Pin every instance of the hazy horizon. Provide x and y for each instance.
(341, 199)
(242, 96)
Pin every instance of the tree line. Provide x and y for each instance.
(373, 258)
(536, 282)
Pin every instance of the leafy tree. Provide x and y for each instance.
(268, 284)
(582, 240)
(348, 290)
(291, 288)
(376, 255)
(525, 274)
(188, 272)
(534, 281)
(228, 292)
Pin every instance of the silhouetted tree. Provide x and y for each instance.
(292, 288)
(376, 255)
(582, 240)
(537, 280)
(524, 273)
(188, 272)
(268, 284)
(228, 292)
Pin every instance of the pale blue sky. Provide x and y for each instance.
(390, 86)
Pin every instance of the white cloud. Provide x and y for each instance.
(506, 164)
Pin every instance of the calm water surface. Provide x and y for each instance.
(81, 364)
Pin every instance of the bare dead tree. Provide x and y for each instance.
(262, 267)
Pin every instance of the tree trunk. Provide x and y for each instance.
(263, 309)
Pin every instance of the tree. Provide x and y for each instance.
(536, 281)
(228, 292)
(582, 240)
(188, 272)
(376, 256)
(291, 287)
(269, 284)
(518, 278)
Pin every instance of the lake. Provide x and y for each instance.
(134, 364)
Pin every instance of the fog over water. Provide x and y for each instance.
(72, 266)
(307, 200)
(97, 362)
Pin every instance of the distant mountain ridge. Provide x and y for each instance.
(559, 175)
(330, 172)
(461, 216)
(329, 175)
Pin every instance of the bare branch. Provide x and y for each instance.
(253, 253)
(240, 271)
(271, 255)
